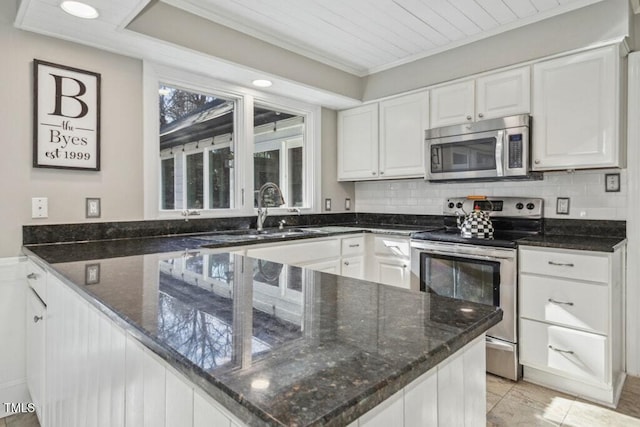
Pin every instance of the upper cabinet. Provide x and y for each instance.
(386, 146)
(576, 111)
(358, 143)
(494, 95)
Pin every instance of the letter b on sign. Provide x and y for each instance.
(67, 95)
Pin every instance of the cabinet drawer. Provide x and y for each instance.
(567, 352)
(575, 304)
(568, 264)
(36, 277)
(392, 246)
(352, 245)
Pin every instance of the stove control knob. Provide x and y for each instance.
(459, 205)
(519, 206)
(530, 206)
(451, 205)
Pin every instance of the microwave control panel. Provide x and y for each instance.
(515, 151)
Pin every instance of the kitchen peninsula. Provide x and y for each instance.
(264, 343)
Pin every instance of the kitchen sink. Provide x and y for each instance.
(272, 233)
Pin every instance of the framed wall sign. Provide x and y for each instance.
(66, 127)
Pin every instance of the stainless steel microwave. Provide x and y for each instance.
(488, 149)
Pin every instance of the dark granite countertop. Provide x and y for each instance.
(275, 344)
(583, 243)
(96, 249)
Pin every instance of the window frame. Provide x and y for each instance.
(243, 139)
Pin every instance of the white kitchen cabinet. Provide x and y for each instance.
(503, 94)
(358, 143)
(451, 394)
(352, 267)
(403, 121)
(386, 146)
(489, 96)
(571, 320)
(36, 324)
(390, 261)
(327, 266)
(452, 104)
(342, 255)
(577, 111)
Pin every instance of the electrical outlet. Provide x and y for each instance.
(92, 207)
(39, 207)
(562, 206)
(327, 204)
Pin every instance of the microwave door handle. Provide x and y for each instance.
(500, 152)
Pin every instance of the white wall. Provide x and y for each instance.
(416, 196)
(119, 183)
(168, 23)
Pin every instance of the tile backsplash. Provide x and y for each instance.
(586, 190)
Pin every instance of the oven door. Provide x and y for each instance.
(480, 274)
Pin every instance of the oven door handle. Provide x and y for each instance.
(499, 345)
(465, 255)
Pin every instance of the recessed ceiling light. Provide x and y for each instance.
(80, 10)
(262, 83)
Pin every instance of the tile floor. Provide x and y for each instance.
(517, 404)
(20, 420)
(526, 404)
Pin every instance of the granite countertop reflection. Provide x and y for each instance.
(277, 344)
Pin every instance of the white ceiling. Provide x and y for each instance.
(359, 36)
(366, 36)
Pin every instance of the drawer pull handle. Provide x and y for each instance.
(560, 302)
(561, 264)
(346, 263)
(32, 276)
(355, 246)
(36, 319)
(560, 350)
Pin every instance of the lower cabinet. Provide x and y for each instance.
(390, 261)
(451, 394)
(571, 320)
(99, 375)
(35, 339)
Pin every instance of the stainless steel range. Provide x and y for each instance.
(480, 269)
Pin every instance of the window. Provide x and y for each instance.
(278, 153)
(209, 147)
(196, 139)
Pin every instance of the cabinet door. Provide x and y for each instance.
(328, 266)
(36, 351)
(358, 143)
(503, 94)
(392, 271)
(403, 121)
(353, 267)
(452, 104)
(576, 111)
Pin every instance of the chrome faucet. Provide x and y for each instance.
(262, 211)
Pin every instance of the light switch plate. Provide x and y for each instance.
(347, 204)
(92, 207)
(562, 206)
